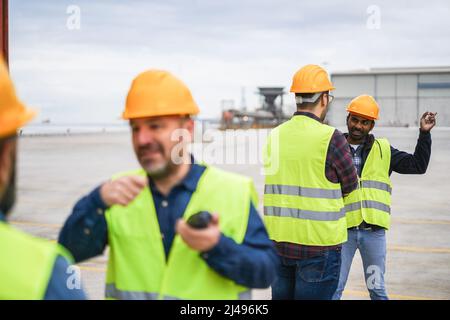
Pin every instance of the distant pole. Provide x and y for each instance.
(243, 102)
(4, 39)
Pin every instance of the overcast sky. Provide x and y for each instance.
(216, 47)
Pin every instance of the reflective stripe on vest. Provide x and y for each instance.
(112, 292)
(303, 192)
(369, 204)
(376, 185)
(138, 267)
(300, 204)
(304, 214)
(371, 201)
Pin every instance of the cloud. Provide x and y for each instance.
(216, 47)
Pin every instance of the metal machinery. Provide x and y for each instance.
(268, 116)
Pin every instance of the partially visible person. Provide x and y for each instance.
(308, 171)
(369, 207)
(30, 268)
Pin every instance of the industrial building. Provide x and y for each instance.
(402, 93)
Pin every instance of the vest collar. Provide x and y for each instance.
(307, 114)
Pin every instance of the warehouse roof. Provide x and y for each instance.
(376, 71)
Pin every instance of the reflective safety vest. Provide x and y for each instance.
(371, 202)
(137, 266)
(26, 264)
(300, 204)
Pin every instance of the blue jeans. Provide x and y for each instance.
(372, 247)
(313, 278)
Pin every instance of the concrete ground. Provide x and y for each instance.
(55, 171)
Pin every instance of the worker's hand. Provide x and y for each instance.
(122, 190)
(428, 121)
(200, 239)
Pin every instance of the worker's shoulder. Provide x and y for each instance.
(18, 236)
(30, 246)
(383, 141)
(337, 138)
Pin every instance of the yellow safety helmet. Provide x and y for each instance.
(364, 106)
(158, 93)
(311, 79)
(13, 113)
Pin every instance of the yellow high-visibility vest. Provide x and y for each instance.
(137, 266)
(26, 264)
(371, 202)
(300, 204)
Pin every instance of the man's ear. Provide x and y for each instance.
(323, 100)
(190, 125)
(372, 125)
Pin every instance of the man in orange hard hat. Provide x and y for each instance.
(368, 208)
(176, 228)
(30, 268)
(303, 197)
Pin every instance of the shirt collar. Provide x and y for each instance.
(307, 114)
(191, 180)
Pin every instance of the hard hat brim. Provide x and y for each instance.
(295, 90)
(362, 115)
(11, 127)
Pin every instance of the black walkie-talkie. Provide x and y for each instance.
(200, 220)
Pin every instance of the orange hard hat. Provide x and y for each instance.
(13, 113)
(364, 106)
(158, 93)
(311, 79)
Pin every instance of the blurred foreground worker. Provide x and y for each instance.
(308, 170)
(369, 207)
(30, 268)
(141, 215)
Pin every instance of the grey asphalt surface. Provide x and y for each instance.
(55, 171)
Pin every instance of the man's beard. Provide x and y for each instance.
(162, 171)
(324, 114)
(9, 196)
(159, 171)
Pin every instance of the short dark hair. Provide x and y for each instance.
(308, 105)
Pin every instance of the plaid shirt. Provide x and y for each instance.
(339, 168)
(357, 158)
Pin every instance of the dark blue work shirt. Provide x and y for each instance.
(57, 288)
(251, 264)
(401, 161)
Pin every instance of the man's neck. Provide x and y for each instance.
(312, 112)
(356, 142)
(165, 184)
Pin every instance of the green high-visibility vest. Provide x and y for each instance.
(26, 264)
(137, 266)
(371, 202)
(300, 204)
